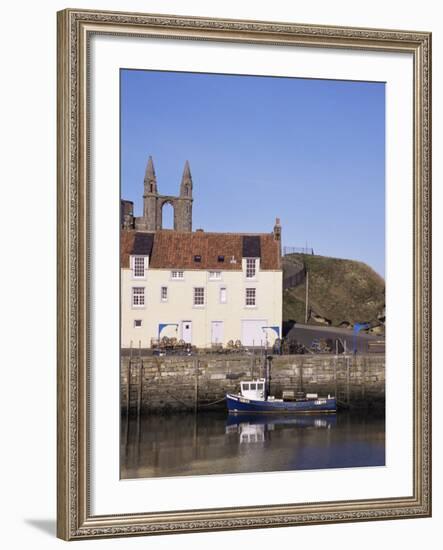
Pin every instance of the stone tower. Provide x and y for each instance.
(183, 204)
(150, 198)
(153, 202)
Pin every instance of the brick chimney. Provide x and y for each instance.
(277, 230)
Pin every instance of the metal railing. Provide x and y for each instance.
(295, 280)
(297, 250)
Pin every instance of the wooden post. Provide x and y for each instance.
(128, 400)
(140, 382)
(307, 298)
(363, 387)
(195, 437)
(268, 373)
(128, 389)
(265, 375)
(196, 387)
(335, 376)
(347, 380)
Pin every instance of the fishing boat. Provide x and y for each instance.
(254, 398)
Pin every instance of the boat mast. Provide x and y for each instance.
(268, 376)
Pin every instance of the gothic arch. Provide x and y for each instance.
(161, 202)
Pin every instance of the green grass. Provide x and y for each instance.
(340, 290)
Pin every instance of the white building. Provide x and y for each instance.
(202, 288)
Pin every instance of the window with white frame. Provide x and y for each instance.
(164, 293)
(251, 268)
(251, 297)
(223, 295)
(137, 323)
(215, 275)
(177, 274)
(138, 296)
(138, 267)
(199, 296)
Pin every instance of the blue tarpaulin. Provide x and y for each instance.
(276, 329)
(161, 326)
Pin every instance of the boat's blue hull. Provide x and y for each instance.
(238, 404)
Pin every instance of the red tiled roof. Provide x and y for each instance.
(176, 250)
(126, 246)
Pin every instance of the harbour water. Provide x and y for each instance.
(186, 444)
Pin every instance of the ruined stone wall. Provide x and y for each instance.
(161, 384)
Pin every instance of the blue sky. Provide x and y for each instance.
(311, 152)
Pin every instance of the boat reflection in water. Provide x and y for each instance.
(182, 444)
(256, 428)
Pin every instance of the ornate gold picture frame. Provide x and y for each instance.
(75, 518)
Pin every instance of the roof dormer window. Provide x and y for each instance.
(251, 268)
(139, 265)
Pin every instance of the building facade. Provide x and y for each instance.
(206, 289)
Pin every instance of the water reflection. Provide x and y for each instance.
(215, 443)
(256, 428)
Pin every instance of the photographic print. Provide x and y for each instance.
(252, 291)
(232, 196)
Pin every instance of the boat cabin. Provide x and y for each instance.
(253, 389)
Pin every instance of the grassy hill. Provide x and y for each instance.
(339, 290)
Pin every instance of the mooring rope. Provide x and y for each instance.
(202, 405)
(213, 402)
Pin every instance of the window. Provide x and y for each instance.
(253, 386)
(199, 296)
(177, 275)
(137, 323)
(215, 275)
(250, 296)
(164, 293)
(250, 268)
(259, 386)
(138, 296)
(246, 387)
(223, 295)
(220, 258)
(197, 258)
(138, 267)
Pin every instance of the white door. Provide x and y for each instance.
(217, 332)
(187, 331)
(253, 333)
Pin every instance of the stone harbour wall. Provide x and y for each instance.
(171, 384)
